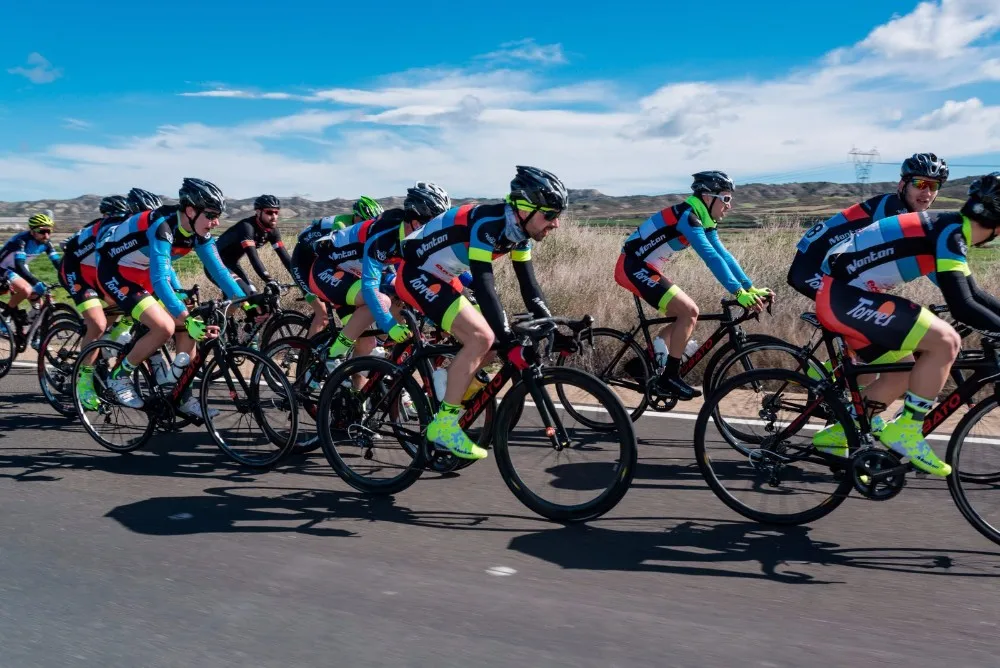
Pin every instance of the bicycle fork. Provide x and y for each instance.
(554, 429)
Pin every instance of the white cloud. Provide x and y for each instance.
(40, 72)
(76, 124)
(527, 50)
(467, 128)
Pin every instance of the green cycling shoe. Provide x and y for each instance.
(445, 432)
(833, 441)
(905, 436)
(85, 390)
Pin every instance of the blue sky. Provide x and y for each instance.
(334, 99)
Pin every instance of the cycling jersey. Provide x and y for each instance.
(383, 246)
(244, 238)
(138, 253)
(672, 230)
(19, 251)
(335, 275)
(468, 238)
(804, 274)
(321, 227)
(886, 254)
(304, 256)
(78, 270)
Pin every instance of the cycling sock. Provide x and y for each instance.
(672, 368)
(916, 407)
(448, 411)
(124, 369)
(341, 346)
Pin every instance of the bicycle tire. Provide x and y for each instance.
(704, 459)
(55, 371)
(8, 346)
(513, 403)
(388, 397)
(250, 403)
(959, 482)
(724, 357)
(286, 325)
(608, 374)
(307, 403)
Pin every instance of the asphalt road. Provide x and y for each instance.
(172, 557)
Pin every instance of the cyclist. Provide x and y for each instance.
(645, 254)
(350, 268)
(15, 256)
(884, 328)
(920, 177)
(303, 256)
(134, 263)
(78, 275)
(249, 234)
(469, 238)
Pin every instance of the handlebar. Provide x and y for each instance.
(213, 311)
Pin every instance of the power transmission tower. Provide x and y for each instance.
(863, 161)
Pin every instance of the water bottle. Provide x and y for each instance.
(161, 374)
(660, 352)
(690, 349)
(440, 378)
(125, 339)
(181, 360)
(32, 313)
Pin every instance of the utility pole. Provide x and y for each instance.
(863, 161)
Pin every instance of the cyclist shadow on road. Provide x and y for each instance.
(20, 411)
(731, 549)
(257, 509)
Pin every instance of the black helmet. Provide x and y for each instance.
(984, 200)
(926, 165)
(115, 205)
(267, 202)
(539, 187)
(426, 200)
(140, 200)
(713, 182)
(202, 195)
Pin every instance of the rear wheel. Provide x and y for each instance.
(57, 354)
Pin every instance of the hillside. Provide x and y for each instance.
(755, 202)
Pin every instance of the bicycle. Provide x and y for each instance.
(618, 359)
(788, 406)
(18, 331)
(358, 427)
(250, 389)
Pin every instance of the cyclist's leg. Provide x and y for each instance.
(20, 290)
(443, 303)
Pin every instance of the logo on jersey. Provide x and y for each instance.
(117, 290)
(815, 281)
(125, 247)
(873, 256)
(489, 237)
(84, 250)
(330, 277)
(644, 276)
(381, 255)
(881, 316)
(840, 237)
(427, 246)
(650, 245)
(342, 255)
(420, 286)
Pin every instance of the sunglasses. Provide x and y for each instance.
(211, 215)
(548, 214)
(271, 212)
(43, 231)
(925, 184)
(726, 199)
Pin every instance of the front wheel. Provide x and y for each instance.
(557, 465)
(8, 345)
(975, 461)
(57, 354)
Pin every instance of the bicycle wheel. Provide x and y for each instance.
(619, 362)
(56, 356)
(974, 455)
(287, 324)
(765, 352)
(8, 347)
(294, 356)
(555, 464)
(372, 438)
(250, 411)
(778, 477)
(116, 427)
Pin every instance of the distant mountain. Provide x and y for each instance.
(754, 202)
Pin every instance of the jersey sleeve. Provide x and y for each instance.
(483, 237)
(693, 231)
(53, 254)
(727, 257)
(209, 256)
(279, 249)
(371, 275)
(161, 271)
(951, 253)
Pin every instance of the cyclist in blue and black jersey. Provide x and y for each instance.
(16, 254)
(303, 256)
(468, 239)
(249, 234)
(883, 328)
(134, 264)
(920, 177)
(646, 252)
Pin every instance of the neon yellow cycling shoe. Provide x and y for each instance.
(905, 436)
(85, 389)
(833, 441)
(445, 432)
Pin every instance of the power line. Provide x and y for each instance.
(863, 161)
